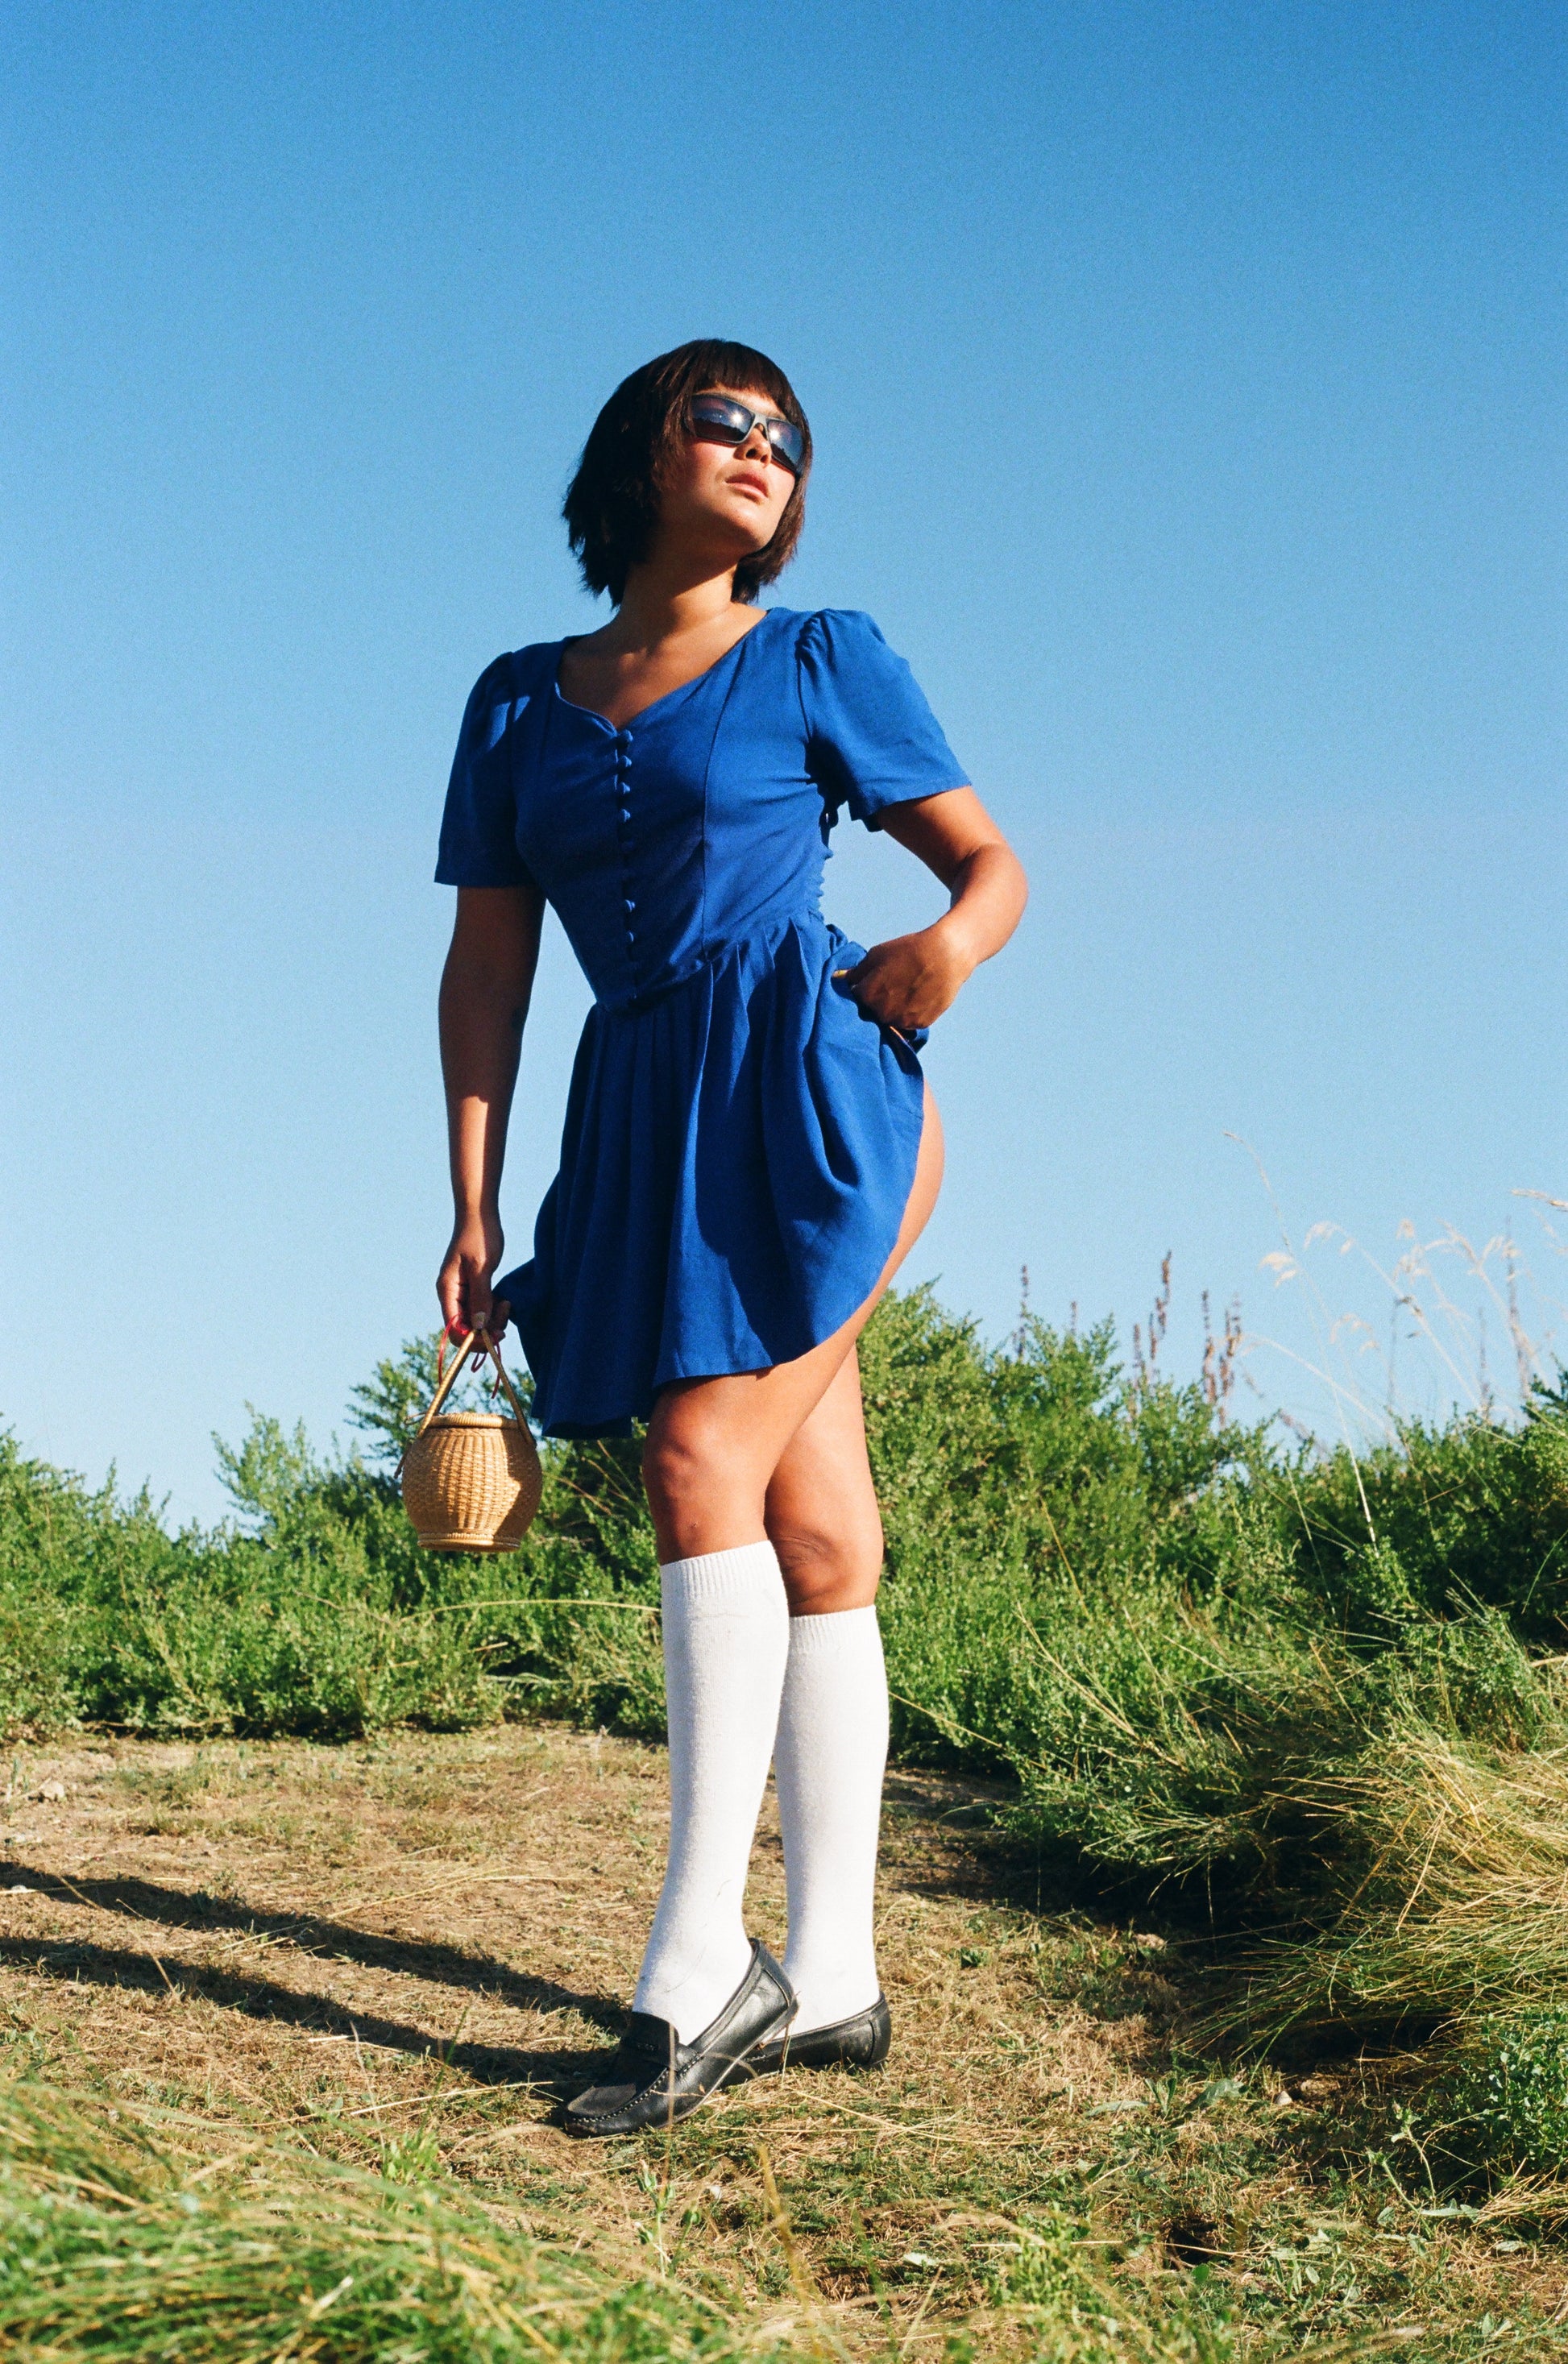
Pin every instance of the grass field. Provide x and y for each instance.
(1225, 1913)
(396, 1956)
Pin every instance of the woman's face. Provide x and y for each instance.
(724, 500)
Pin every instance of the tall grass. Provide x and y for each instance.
(1444, 1874)
(128, 2238)
(113, 2245)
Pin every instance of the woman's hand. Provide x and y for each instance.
(908, 982)
(463, 1283)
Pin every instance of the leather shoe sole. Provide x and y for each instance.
(860, 2042)
(652, 2078)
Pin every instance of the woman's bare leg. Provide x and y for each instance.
(715, 1445)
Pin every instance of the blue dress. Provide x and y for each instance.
(741, 1141)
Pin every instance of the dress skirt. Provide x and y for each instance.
(737, 1159)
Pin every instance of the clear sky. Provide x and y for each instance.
(1188, 391)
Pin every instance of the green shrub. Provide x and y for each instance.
(1505, 2104)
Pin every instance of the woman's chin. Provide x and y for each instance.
(717, 541)
(750, 529)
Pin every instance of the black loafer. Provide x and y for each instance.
(652, 2078)
(858, 2043)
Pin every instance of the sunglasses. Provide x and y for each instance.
(714, 418)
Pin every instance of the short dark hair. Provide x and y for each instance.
(612, 503)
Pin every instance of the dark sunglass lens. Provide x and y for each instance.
(788, 442)
(726, 422)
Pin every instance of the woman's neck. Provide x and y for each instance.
(664, 603)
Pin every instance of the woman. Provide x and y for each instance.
(750, 1152)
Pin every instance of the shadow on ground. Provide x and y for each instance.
(82, 1962)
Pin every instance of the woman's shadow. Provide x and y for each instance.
(554, 2074)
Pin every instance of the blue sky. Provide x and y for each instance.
(1188, 395)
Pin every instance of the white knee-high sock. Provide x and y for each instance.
(726, 1643)
(827, 1766)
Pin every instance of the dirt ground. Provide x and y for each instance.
(411, 1951)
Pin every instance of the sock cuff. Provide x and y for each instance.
(835, 1630)
(735, 1575)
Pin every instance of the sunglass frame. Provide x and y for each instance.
(794, 461)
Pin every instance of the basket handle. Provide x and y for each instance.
(480, 1344)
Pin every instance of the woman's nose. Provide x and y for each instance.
(757, 447)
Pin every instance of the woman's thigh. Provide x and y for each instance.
(714, 1444)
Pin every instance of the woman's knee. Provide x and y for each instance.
(672, 1471)
(694, 1474)
(828, 1566)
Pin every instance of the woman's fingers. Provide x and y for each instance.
(462, 1285)
(461, 1305)
(449, 1295)
(475, 1314)
(907, 983)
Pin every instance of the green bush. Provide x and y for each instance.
(1507, 2103)
(314, 1610)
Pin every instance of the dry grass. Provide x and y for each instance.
(125, 2236)
(1453, 1897)
(402, 1956)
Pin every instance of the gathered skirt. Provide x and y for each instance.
(737, 1159)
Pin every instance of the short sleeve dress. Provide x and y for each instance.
(740, 1139)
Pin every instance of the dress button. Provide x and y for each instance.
(631, 904)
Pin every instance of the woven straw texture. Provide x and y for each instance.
(472, 1482)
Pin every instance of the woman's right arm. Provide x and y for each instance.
(485, 986)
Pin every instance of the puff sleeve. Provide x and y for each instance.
(479, 826)
(872, 739)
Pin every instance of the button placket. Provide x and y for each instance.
(623, 793)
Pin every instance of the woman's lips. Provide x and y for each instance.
(749, 483)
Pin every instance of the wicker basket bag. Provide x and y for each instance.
(472, 1479)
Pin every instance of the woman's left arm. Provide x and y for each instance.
(910, 980)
